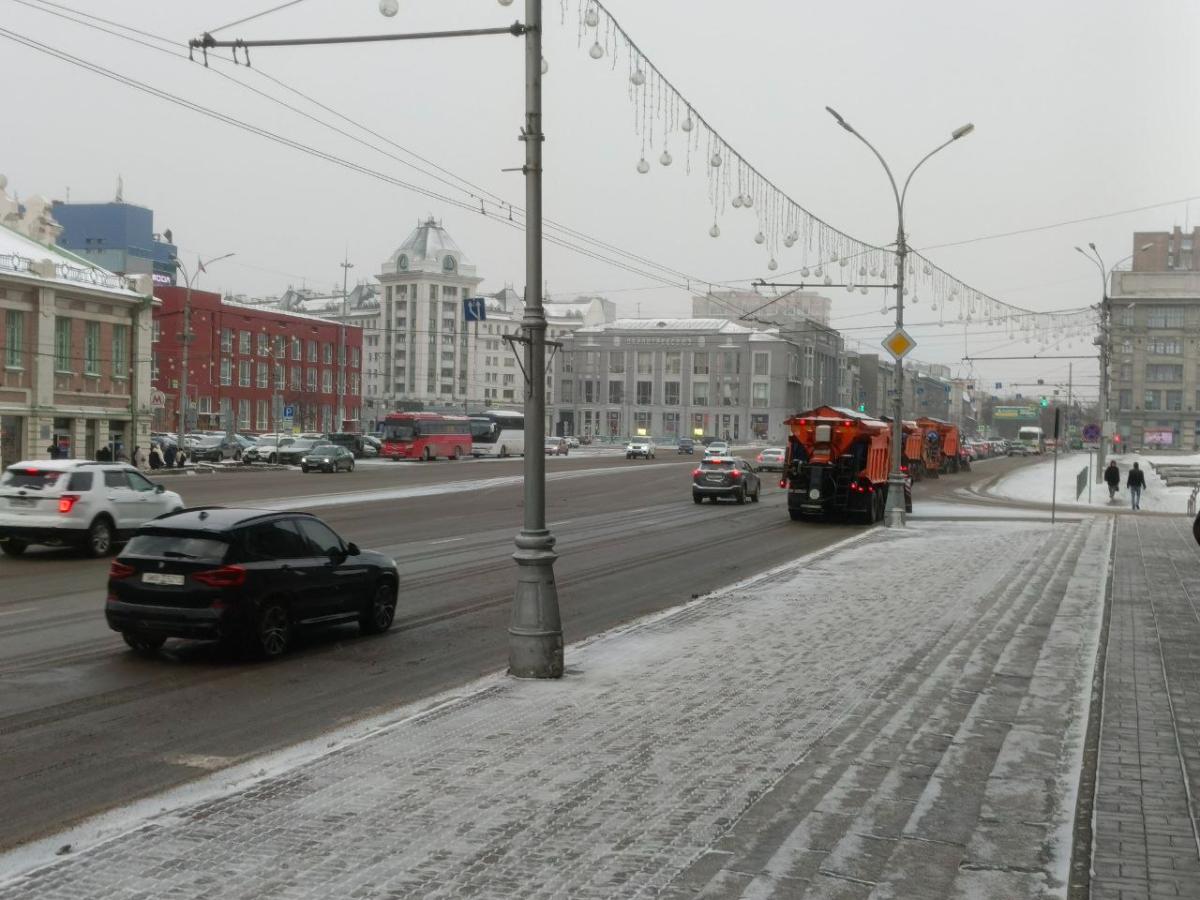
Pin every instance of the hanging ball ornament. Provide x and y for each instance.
(716, 160)
(828, 280)
(638, 77)
(686, 124)
(833, 257)
(760, 238)
(643, 166)
(389, 7)
(863, 289)
(591, 18)
(843, 262)
(747, 201)
(665, 159)
(715, 231)
(597, 51)
(819, 271)
(545, 66)
(928, 271)
(874, 272)
(789, 241)
(862, 270)
(916, 299)
(772, 265)
(736, 203)
(804, 272)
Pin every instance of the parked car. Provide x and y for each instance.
(640, 448)
(556, 446)
(73, 502)
(770, 460)
(372, 446)
(572, 441)
(266, 449)
(725, 476)
(685, 445)
(327, 458)
(215, 449)
(249, 577)
(293, 452)
(351, 440)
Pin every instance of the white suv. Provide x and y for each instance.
(643, 447)
(91, 505)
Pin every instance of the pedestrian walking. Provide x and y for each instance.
(1112, 477)
(1136, 482)
(139, 457)
(169, 456)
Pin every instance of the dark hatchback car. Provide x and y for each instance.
(725, 476)
(246, 577)
(293, 452)
(327, 458)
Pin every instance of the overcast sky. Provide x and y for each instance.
(1081, 109)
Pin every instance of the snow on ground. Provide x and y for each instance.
(1033, 484)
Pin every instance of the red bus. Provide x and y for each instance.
(416, 435)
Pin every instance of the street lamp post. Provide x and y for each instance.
(187, 335)
(1105, 342)
(341, 406)
(894, 513)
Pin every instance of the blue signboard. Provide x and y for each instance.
(474, 309)
(289, 412)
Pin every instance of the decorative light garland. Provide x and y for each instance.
(662, 114)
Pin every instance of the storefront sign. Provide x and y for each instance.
(1160, 438)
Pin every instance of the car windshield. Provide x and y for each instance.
(177, 545)
(25, 477)
(322, 450)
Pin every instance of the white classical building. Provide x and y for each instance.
(418, 349)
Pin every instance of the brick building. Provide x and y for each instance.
(253, 362)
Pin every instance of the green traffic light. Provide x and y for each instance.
(862, 407)
(1045, 403)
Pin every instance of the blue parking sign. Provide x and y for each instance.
(289, 412)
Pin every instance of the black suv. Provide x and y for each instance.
(248, 577)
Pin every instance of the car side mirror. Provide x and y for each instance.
(159, 489)
(352, 549)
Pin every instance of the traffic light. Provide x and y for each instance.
(862, 407)
(1045, 403)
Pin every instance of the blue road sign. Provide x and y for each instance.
(1091, 432)
(474, 309)
(289, 412)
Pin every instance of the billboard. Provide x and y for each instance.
(1021, 413)
(1158, 438)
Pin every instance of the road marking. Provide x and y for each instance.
(13, 612)
(447, 540)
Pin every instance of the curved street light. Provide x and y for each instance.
(894, 514)
(201, 266)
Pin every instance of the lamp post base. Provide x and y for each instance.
(535, 639)
(893, 513)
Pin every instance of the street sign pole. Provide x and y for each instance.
(1054, 480)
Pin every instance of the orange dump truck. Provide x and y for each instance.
(943, 449)
(913, 455)
(837, 464)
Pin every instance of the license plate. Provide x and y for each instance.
(715, 477)
(160, 578)
(22, 502)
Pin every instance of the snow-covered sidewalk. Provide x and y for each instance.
(1033, 484)
(891, 713)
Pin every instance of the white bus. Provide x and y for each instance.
(1032, 438)
(498, 432)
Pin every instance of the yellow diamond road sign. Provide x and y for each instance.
(898, 343)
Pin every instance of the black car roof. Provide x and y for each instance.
(215, 518)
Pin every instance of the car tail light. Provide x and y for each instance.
(224, 577)
(120, 570)
(735, 474)
(783, 482)
(696, 473)
(67, 502)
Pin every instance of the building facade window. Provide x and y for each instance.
(671, 392)
(244, 343)
(14, 338)
(91, 348)
(1164, 317)
(62, 344)
(243, 414)
(120, 351)
(244, 373)
(673, 362)
(327, 353)
(312, 351)
(760, 395)
(262, 420)
(263, 344)
(294, 381)
(1166, 347)
(699, 393)
(1125, 399)
(264, 376)
(1175, 401)
(616, 363)
(310, 379)
(644, 393)
(156, 331)
(280, 384)
(297, 348)
(762, 364)
(1152, 400)
(226, 371)
(1161, 373)
(616, 392)
(327, 380)
(645, 363)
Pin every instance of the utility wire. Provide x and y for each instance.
(258, 15)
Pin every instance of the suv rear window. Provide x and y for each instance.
(30, 478)
(179, 545)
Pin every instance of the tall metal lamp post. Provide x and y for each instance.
(535, 641)
(1105, 342)
(186, 337)
(894, 512)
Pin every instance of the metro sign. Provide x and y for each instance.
(899, 343)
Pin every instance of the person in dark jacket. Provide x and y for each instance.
(1112, 477)
(169, 456)
(1136, 482)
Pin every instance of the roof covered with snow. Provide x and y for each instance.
(27, 258)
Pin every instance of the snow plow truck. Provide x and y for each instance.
(837, 465)
(943, 448)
